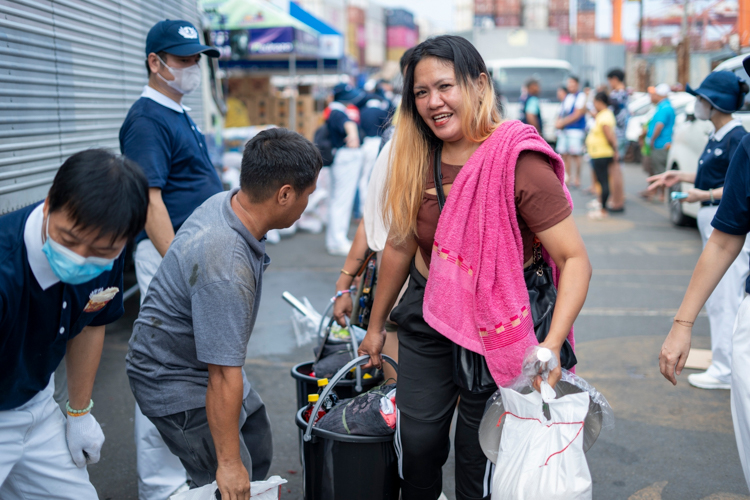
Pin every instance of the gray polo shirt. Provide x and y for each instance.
(200, 309)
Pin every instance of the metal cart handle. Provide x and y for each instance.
(335, 380)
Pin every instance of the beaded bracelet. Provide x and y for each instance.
(78, 413)
(339, 294)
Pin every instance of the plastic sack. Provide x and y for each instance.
(372, 413)
(306, 327)
(533, 366)
(259, 490)
(540, 457)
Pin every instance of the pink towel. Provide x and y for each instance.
(476, 294)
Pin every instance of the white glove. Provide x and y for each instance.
(85, 439)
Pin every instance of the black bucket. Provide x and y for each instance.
(345, 389)
(346, 467)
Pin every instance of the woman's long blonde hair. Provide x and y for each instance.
(415, 142)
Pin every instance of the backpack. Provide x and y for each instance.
(322, 141)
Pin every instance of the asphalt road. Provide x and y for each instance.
(669, 442)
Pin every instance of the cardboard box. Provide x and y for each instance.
(249, 86)
(261, 110)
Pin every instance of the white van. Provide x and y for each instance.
(510, 75)
(689, 140)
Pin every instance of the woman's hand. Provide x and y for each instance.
(372, 346)
(554, 375)
(668, 179)
(342, 308)
(696, 195)
(675, 351)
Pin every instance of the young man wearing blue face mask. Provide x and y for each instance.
(61, 267)
(160, 136)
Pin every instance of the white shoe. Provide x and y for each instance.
(341, 251)
(442, 497)
(706, 381)
(594, 205)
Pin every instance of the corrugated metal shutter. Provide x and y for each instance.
(69, 72)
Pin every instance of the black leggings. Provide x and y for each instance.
(426, 399)
(601, 169)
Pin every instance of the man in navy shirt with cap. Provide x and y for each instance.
(61, 267)
(159, 135)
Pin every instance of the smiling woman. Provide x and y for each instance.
(467, 327)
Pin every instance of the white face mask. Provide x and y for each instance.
(703, 109)
(186, 80)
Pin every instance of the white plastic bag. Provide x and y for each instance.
(259, 490)
(540, 458)
(306, 327)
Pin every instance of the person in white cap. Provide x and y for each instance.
(659, 134)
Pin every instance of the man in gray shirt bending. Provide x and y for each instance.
(190, 339)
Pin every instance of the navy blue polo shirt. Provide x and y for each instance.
(160, 136)
(374, 118)
(733, 214)
(336, 130)
(36, 323)
(714, 162)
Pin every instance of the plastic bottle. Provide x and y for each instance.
(331, 400)
(311, 400)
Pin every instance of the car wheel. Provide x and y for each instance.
(676, 215)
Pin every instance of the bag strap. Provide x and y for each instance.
(368, 255)
(438, 175)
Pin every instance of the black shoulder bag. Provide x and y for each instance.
(470, 370)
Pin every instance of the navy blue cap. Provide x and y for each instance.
(343, 92)
(179, 38)
(722, 90)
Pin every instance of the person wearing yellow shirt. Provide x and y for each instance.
(601, 144)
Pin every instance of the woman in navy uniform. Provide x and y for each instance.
(720, 94)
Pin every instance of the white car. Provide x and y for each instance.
(689, 140)
(510, 75)
(641, 110)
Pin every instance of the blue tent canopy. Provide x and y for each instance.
(301, 14)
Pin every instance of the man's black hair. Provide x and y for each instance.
(616, 73)
(101, 192)
(531, 81)
(404, 61)
(277, 157)
(563, 88)
(602, 97)
(574, 78)
(162, 55)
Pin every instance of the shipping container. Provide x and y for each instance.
(399, 17)
(401, 36)
(508, 20)
(484, 8)
(356, 16)
(375, 36)
(586, 26)
(559, 7)
(507, 8)
(560, 22)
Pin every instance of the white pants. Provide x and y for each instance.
(345, 171)
(370, 150)
(724, 302)
(159, 472)
(34, 458)
(740, 397)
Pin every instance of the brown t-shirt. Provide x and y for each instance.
(540, 202)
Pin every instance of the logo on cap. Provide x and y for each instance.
(188, 32)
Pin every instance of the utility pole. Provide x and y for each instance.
(683, 49)
(640, 28)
